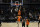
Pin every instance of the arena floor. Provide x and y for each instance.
(32, 24)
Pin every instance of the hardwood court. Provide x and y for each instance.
(32, 24)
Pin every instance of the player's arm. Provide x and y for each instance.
(21, 17)
(22, 21)
(17, 17)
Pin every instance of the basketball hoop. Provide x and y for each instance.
(17, 5)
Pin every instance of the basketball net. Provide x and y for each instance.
(17, 5)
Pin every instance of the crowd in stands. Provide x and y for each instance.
(11, 12)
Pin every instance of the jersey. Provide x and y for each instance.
(23, 22)
(19, 12)
(19, 17)
(16, 10)
(27, 22)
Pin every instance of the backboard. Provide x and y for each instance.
(16, 2)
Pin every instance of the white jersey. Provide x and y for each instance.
(16, 10)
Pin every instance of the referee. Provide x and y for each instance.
(23, 23)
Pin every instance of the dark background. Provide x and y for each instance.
(33, 5)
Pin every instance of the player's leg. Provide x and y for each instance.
(18, 23)
(0, 24)
(38, 23)
(24, 25)
(27, 25)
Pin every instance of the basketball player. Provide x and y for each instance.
(19, 17)
(18, 20)
(23, 23)
(19, 13)
(27, 22)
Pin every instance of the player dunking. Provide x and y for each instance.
(19, 17)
